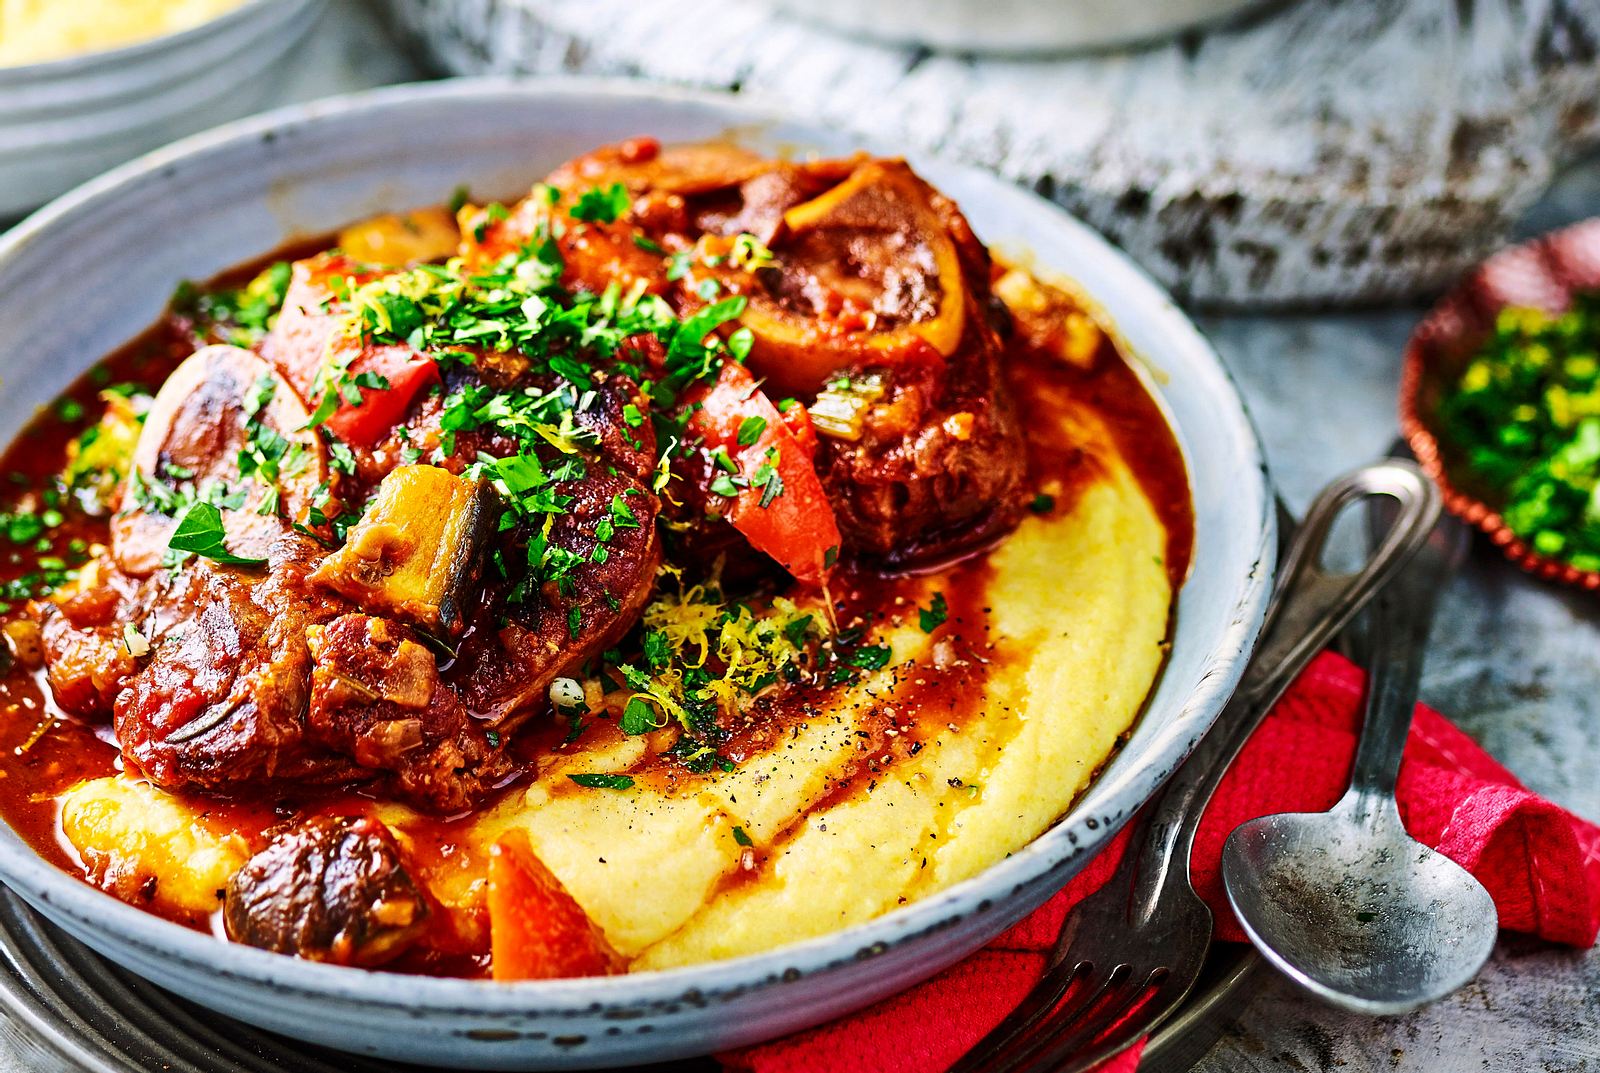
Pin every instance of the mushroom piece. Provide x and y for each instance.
(328, 889)
(222, 402)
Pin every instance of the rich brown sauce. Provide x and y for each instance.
(43, 753)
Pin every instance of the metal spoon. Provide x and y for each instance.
(1346, 902)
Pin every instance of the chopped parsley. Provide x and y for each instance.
(766, 478)
(639, 717)
(750, 430)
(241, 316)
(740, 837)
(933, 616)
(24, 527)
(870, 657)
(604, 782)
(602, 204)
(200, 532)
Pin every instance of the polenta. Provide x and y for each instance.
(33, 31)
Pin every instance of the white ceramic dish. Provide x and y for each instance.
(1013, 26)
(94, 268)
(65, 120)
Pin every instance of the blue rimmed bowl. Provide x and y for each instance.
(93, 269)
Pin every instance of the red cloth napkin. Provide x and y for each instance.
(1540, 862)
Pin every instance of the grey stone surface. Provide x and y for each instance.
(1515, 662)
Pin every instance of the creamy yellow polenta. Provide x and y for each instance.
(32, 31)
(146, 846)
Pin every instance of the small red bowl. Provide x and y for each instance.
(1544, 274)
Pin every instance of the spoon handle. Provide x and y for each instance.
(1398, 627)
(1309, 607)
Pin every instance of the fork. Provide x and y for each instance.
(1128, 954)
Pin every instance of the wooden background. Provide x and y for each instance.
(1319, 152)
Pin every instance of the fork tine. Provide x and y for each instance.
(1077, 1049)
(1083, 1009)
(1079, 1009)
(1069, 1011)
(1039, 1002)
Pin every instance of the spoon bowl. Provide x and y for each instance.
(1345, 902)
(1359, 913)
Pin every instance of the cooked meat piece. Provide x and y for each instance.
(503, 668)
(270, 681)
(221, 702)
(86, 668)
(516, 642)
(218, 405)
(264, 677)
(327, 889)
(939, 464)
(627, 448)
(880, 277)
(86, 653)
(376, 696)
(862, 274)
(595, 251)
(717, 188)
(758, 205)
(644, 164)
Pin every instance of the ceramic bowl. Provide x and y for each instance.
(1542, 274)
(94, 268)
(1014, 26)
(450, 30)
(65, 120)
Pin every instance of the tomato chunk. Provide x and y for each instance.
(780, 506)
(537, 931)
(407, 375)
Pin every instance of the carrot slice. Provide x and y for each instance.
(537, 931)
(781, 508)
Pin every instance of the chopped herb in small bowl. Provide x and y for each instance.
(1500, 402)
(1523, 421)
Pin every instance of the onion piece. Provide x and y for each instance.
(567, 693)
(841, 407)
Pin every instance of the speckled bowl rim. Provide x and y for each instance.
(101, 59)
(1425, 443)
(1099, 812)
